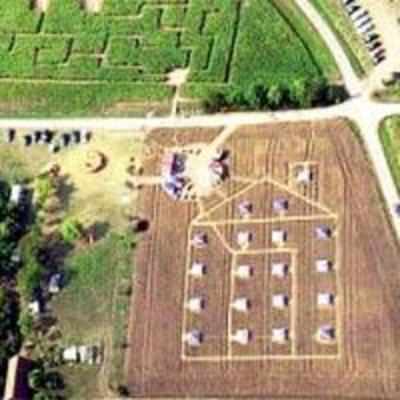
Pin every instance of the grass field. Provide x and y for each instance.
(91, 198)
(389, 94)
(69, 62)
(390, 139)
(91, 310)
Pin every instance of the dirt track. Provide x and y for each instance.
(368, 287)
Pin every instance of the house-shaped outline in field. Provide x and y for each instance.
(300, 209)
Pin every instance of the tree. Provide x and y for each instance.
(274, 96)
(42, 395)
(29, 278)
(37, 379)
(299, 93)
(235, 98)
(71, 230)
(44, 188)
(25, 323)
(215, 102)
(45, 383)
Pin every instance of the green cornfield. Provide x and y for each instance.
(69, 62)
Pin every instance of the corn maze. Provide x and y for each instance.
(124, 52)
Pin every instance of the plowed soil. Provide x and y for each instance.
(366, 353)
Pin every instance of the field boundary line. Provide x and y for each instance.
(294, 303)
(231, 297)
(261, 357)
(300, 196)
(271, 250)
(294, 218)
(270, 180)
(226, 200)
(223, 240)
(186, 290)
(340, 294)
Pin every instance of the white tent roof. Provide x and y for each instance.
(278, 236)
(280, 300)
(326, 333)
(193, 338)
(243, 271)
(280, 335)
(244, 238)
(241, 336)
(241, 304)
(279, 269)
(199, 239)
(195, 304)
(304, 175)
(71, 354)
(197, 269)
(326, 299)
(245, 208)
(323, 265)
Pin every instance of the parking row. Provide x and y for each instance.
(364, 24)
(54, 140)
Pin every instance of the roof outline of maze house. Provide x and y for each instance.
(206, 217)
(225, 239)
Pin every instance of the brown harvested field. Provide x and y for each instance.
(362, 362)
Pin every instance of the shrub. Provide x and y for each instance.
(71, 230)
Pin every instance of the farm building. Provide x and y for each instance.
(16, 387)
(172, 168)
(35, 308)
(181, 170)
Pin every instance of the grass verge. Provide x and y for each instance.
(335, 16)
(389, 134)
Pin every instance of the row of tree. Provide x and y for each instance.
(299, 94)
(23, 269)
(12, 228)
